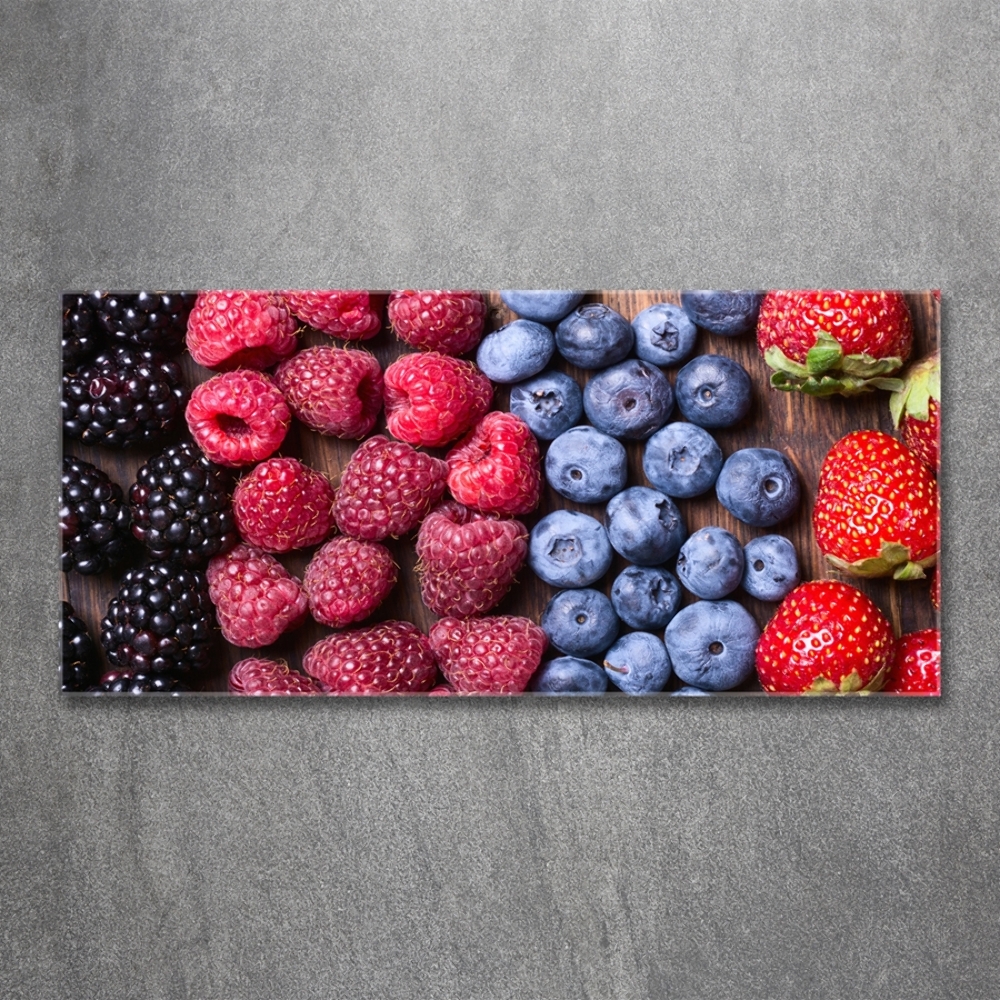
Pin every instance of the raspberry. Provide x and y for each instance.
(256, 599)
(238, 418)
(346, 580)
(494, 655)
(349, 315)
(283, 505)
(333, 390)
(387, 488)
(447, 321)
(432, 399)
(497, 467)
(467, 559)
(390, 658)
(256, 676)
(240, 329)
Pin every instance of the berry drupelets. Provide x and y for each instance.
(438, 320)
(93, 519)
(156, 320)
(240, 329)
(341, 313)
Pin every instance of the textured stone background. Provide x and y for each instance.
(209, 849)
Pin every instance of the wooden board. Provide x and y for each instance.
(803, 428)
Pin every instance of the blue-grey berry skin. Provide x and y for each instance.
(689, 691)
(549, 403)
(758, 486)
(569, 675)
(569, 549)
(638, 663)
(645, 526)
(713, 391)
(594, 336)
(664, 335)
(646, 597)
(713, 644)
(710, 563)
(541, 305)
(726, 313)
(771, 567)
(682, 460)
(586, 466)
(580, 622)
(515, 351)
(630, 400)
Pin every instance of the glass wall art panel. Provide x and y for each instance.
(602, 493)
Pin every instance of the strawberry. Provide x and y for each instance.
(834, 342)
(257, 676)
(916, 664)
(346, 314)
(467, 560)
(493, 655)
(877, 508)
(496, 468)
(826, 637)
(916, 410)
(240, 329)
(936, 589)
(447, 321)
(346, 580)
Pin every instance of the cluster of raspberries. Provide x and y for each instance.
(463, 506)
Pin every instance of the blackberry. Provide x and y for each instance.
(162, 621)
(182, 508)
(80, 331)
(93, 519)
(125, 396)
(136, 682)
(147, 319)
(80, 662)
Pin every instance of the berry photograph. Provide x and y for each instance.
(539, 492)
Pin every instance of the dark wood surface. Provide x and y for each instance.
(802, 427)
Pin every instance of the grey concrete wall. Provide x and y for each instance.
(209, 850)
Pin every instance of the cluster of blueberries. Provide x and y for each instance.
(709, 645)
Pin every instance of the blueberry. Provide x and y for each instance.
(689, 691)
(629, 401)
(580, 622)
(645, 597)
(713, 644)
(549, 404)
(594, 336)
(729, 314)
(664, 335)
(713, 391)
(586, 466)
(772, 567)
(569, 675)
(710, 563)
(515, 351)
(540, 305)
(638, 663)
(682, 460)
(645, 526)
(759, 486)
(569, 549)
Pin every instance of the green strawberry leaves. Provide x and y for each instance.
(829, 372)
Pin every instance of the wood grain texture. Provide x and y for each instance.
(803, 428)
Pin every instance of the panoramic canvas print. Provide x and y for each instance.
(439, 492)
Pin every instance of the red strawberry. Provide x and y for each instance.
(240, 329)
(346, 314)
(496, 468)
(389, 658)
(936, 589)
(467, 560)
(824, 342)
(387, 488)
(346, 580)
(431, 398)
(493, 655)
(916, 664)
(283, 505)
(256, 676)
(256, 599)
(333, 390)
(825, 637)
(916, 410)
(876, 510)
(447, 321)
(238, 418)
